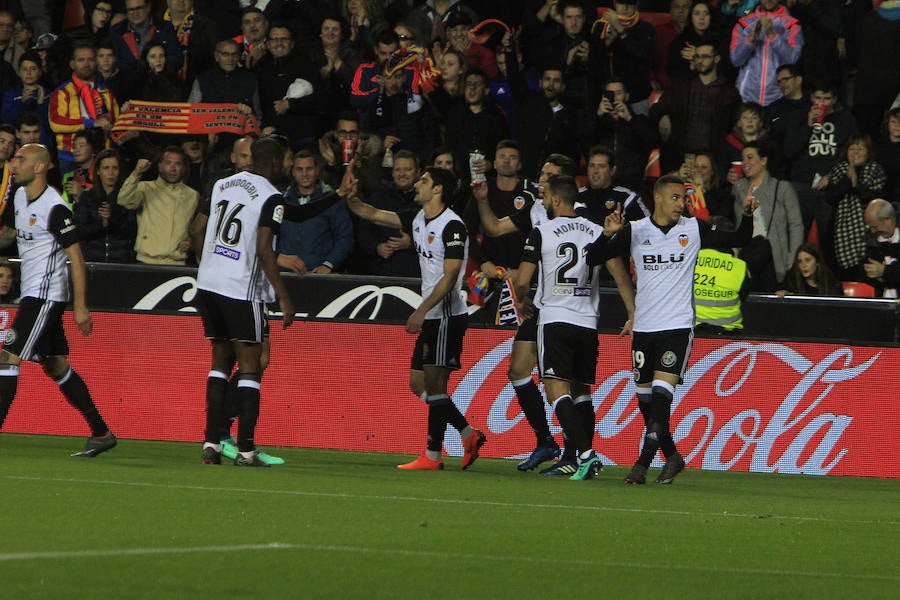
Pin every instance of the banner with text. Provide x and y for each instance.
(745, 405)
(184, 118)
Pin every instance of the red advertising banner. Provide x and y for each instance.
(745, 405)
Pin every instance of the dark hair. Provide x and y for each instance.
(98, 190)
(6, 128)
(753, 107)
(859, 138)
(601, 149)
(761, 149)
(825, 85)
(616, 80)
(32, 56)
(446, 180)
(566, 165)
(173, 149)
(82, 45)
(407, 154)
(266, 152)
(27, 118)
(105, 44)
(476, 72)
(146, 51)
(826, 283)
(666, 180)
(565, 187)
(793, 69)
(95, 137)
(387, 37)
(508, 144)
(307, 153)
(251, 10)
(348, 115)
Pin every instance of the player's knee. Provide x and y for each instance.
(663, 389)
(55, 366)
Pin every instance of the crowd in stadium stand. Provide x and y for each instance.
(797, 101)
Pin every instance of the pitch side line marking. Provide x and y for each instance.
(23, 556)
(11, 556)
(684, 513)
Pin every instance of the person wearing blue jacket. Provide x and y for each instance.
(320, 244)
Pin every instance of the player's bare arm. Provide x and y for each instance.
(492, 226)
(197, 232)
(616, 268)
(444, 286)
(79, 289)
(522, 283)
(264, 242)
(364, 210)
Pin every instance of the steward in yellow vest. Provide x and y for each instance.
(718, 279)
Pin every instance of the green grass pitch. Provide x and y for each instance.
(149, 520)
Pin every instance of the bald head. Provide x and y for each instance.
(880, 217)
(31, 163)
(241, 157)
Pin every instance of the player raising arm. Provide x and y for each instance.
(664, 248)
(440, 238)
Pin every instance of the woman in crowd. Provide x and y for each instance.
(107, 229)
(363, 17)
(809, 275)
(848, 187)
(153, 81)
(705, 178)
(337, 61)
(9, 287)
(95, 28)
(453, 66)
(701, 28)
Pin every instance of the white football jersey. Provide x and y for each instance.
(664, 263)
(568, 290)
(229, 265)
(43, 228)
(442, 237)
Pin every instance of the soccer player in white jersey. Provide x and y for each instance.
(524, 351)
(237, 276)
(568, 296)
(664, 248)
(47, 236)
(440, 238)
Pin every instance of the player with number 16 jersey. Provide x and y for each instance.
(229, 265)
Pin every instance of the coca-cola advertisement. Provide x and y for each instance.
(823, 409)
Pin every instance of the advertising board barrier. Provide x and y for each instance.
(791, 407)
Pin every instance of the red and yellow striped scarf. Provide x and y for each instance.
(606, 14)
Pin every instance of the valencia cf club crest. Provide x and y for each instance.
(683, 240)
(610, 204)
(10, 336)
(519, 202)
(668, 358)
(430, 237)
(32, 219)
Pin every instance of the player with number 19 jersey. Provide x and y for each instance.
(229, 265)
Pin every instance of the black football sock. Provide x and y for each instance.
(76, 392)
(248, 400)
(231, 408)
(571, 423)
(215, 405)
(585, 408)
(439, 410)
(9, 382)
(532, 404)
(663, 394)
